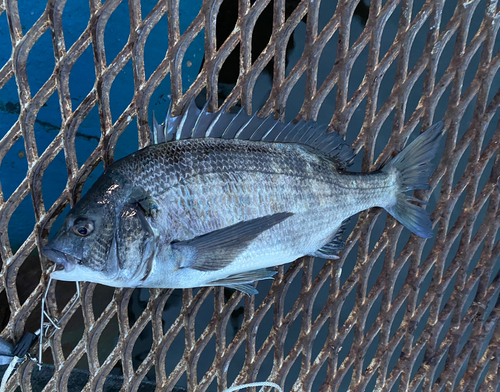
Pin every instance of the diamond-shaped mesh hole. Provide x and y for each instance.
(142, 346)
(117, 29)
(82, 77)
(40, 64)
(264, 328)
(114, 381)
(321, 375)
(414, 97)
(373, 314)
(320, 340)
(236, 364)
(64, 293)
(5, 41)
(395, 356)
(174, 354)
(292, 375)
(235, 321)
(18, 233)
(323, 293)
(206, 359)
(73, 332)
(417, 49)
(376, 270)
(14, 168)
(292, 295)
(137, 303)
(79, 375)
(192, 61)
(4, 310)
(122, 91)
(128, 142)
(291, 335)
(390, 30)
(204, 314)
(47, 123)
(29, 13)
(103, 295)
(398, 319)
(156, 46)
(266, 366)
(40, 378)
(28, 276)
(108, 339)
(54, 180)
(172, 309)
(344, 347)
(86, 140)
(74, 22)
(9, 106)
(293, 105)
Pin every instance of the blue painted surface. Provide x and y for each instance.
(39, 68)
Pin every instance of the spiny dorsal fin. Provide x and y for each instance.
(194, 123)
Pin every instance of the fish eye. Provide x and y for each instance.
(83, 227)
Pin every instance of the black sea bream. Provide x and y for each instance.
(220, 198)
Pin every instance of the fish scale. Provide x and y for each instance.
(195, 210)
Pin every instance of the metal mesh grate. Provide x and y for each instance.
(395, 312)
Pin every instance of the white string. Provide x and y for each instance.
(46, 314)
(255, 384)
(7, 373)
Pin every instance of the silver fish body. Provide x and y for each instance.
(221, 210)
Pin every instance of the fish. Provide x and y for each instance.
(219, 199)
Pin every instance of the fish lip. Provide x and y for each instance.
(63, 261)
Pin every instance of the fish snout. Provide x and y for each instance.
(58, 257)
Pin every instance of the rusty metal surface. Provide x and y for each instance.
(428, 318)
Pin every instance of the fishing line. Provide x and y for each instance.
(45, 313)
(255, 384)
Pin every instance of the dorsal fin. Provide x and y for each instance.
(194, 123)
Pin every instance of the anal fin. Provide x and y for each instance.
(248, 289)
(331, 249)
(242, 281)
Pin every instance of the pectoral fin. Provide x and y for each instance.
(216, 250)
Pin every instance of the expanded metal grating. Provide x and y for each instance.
(396, 312)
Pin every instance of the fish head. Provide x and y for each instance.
(103, 239)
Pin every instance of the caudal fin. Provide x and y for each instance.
(413, 169)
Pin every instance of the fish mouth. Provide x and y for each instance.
(63, 261)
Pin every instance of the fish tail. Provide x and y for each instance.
(412, 169)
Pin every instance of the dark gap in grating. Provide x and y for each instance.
(81, 80)
(4, 310)
(9, 107)
(206, 358)
(108, 339)
(72, 21)
(73, 332)
(117, 29)
(28, 276)
(40, 63)
(291, 335)
(204, 315)
(175, 354)
(122, 91)
(128, 141)
(54, 180)
(18, 233)
(156, 46)
(142, 346)
(291, 376)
